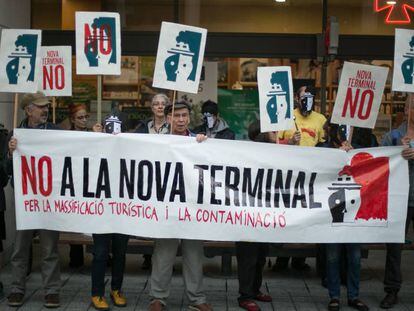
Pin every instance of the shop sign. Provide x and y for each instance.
(179, 57)
(56, 64)
(20, 60)
(276, 98)
(98, 43)
(359, 95)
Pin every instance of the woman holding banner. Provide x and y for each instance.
(101, 245)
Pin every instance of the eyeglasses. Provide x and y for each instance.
(85, 117)
(158, 104)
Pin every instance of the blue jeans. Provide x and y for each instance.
(101, 243)
(353, 257)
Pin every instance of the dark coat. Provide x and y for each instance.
(142, 127)
(221, 130)
(4, 178)
(8, 162)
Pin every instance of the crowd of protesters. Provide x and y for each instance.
(311, 129)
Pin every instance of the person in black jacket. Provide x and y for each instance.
(251, 256)
(4, 178)
(213, 126)
(36, 107)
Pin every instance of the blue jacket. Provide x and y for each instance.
(393, 138)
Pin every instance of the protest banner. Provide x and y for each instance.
(276, 98)
(359, 95)
(56, 64)
(174, 187)
(403, 73)
(179, 57)
(20, 60)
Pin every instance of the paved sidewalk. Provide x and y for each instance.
(290, 290)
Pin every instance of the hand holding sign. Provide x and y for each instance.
(359, 95)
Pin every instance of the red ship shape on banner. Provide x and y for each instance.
(398, 12)
(361, 190)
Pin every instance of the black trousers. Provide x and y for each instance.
(392, 277)
(101, 243)
(251, 258)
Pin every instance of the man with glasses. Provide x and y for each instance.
(165, 250)
(36, 108)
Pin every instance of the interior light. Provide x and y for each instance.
(285, 0)
(391, 2)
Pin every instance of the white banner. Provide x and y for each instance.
(359, 95)
(20, 60)
(166, 186)
(403, 77)
(98, 43)
(179, 57)
(276, 98)
(56, 62)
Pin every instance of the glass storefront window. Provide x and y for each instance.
(46, 14)
(254, 16)
(141, 15)
(360, 18)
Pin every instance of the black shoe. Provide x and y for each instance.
(1, 291)
(358, 305)
(333, 305)
(15, 299)
(302, 267)
(75, 264)
(278, 267)
(281, 264)
(389, 300)
(52, 301)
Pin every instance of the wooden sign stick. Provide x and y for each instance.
(351, 133)
(54, 110)
(410, 129)
(172, 112)
(99, 100)
(16, 109)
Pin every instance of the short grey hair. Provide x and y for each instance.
(163, 96)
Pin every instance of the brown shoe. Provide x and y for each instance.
(201, 307)
(15, 299)
(52, 301)
(156, 305)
